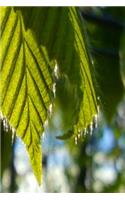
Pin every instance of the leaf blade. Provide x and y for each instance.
(24, 78)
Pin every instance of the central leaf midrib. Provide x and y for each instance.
(41, 74)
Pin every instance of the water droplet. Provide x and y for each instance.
(98, 109)
(50, 109)
(98, 98)
(56, 70)
(92, 61)
(46, 124)
(91, 128)
(79, 133)
(76, 140)
(54, 89)
(1, 116)
(13, 134)
(13, 131)
(5, 125)
(43, 136)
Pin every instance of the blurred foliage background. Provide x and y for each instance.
(97, 162)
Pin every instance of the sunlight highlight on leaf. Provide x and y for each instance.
(65, 41)
(25, 84)
(89, 109)
(33, 41)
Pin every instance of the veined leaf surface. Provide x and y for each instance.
(31, 39)
(25, 83)
(63, 36)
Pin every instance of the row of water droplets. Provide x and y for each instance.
(55, 76)
(89, 129)
(7, 127)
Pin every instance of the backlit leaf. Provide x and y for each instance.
(25, 83)
(64, 38)
(39, 45)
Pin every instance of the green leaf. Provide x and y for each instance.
(89, 108)
(33, 41)
(25, 83)
(64, 38)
